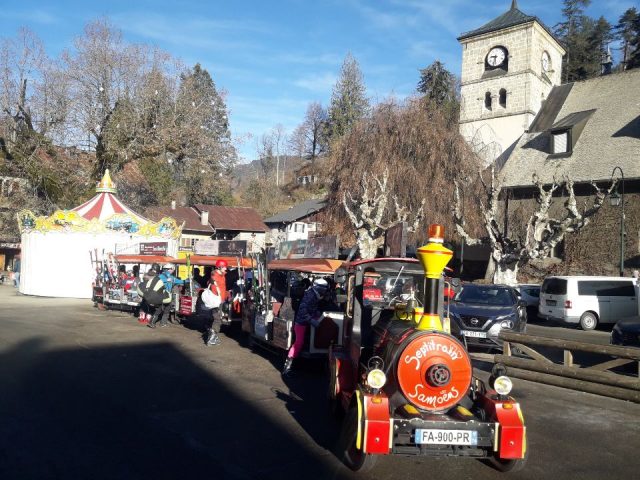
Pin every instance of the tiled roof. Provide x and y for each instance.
(187, 215)
(301, 210)
(242, 219)
(610, 138)
(511, 18)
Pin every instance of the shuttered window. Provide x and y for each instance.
(561, 142)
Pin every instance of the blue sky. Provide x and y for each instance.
(275, 57)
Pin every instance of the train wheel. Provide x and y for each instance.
(346, 450)
(509, 465)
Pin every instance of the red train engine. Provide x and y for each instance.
(404, 384)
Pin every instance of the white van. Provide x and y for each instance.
(588, 300)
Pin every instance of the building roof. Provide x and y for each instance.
(242, 219)
(301, 210)
(610, 110)
(511, 18)
(182, 215)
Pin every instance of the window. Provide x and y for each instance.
(606, 288)
(487, 100)
(554, 286)
(503, 98)
(560, 142)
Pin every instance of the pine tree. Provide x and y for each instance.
(627, 31)
(437, 83)
(348, 100)
(586, 41)
(205, 152)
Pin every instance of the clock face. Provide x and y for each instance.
(496, 57)
(546, 62)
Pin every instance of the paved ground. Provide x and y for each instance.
(91, 394)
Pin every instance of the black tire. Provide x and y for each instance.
(346, 450)
(507, 466)
(588, 321)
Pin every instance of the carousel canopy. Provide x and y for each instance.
(105, 203)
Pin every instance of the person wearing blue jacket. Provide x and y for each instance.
(169, 279)
(309, 311)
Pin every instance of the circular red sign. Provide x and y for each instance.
(434, 371)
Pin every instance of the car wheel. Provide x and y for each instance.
(588, 321)
(346, 449)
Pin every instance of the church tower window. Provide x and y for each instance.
(503, 98)
(487, 100)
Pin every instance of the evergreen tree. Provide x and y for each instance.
(627, 31)
(205, 152)
(437, 83)
(584, 39)
(348, 100)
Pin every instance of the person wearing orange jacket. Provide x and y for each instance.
(218, 285)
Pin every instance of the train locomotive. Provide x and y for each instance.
(402, 383)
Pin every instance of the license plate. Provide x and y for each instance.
(434, 436)
(551, 303)
(470, 333)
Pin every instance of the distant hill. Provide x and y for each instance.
(245, 172)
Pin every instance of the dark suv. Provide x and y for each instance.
(479, 312)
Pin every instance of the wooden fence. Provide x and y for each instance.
(524, 362)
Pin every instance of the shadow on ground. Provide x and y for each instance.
(144, 412)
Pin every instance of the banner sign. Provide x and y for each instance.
(322, 247)
(206, 247)
(154, 248)
(232, 248)
(292, 249)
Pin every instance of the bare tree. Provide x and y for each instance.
(368, 209)
(543, 231)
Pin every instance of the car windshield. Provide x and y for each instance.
(486, 295)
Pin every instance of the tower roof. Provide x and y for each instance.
(513, 17)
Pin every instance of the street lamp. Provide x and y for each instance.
(616, 199)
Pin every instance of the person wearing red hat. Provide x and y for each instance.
(218, 285)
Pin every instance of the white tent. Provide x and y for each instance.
(57, 250)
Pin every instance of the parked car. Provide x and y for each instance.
(626, 332)
(530, 294)
(588, 301)
(479, 312)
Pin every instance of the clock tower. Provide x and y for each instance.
(509, 66)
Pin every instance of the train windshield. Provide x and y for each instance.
(384, 287)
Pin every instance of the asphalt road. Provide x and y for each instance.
(86, 394)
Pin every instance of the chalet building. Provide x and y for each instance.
(215, 222)
(516, 112)
(298, 223)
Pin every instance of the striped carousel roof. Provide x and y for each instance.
(105, 203)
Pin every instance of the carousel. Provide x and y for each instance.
(62, 253)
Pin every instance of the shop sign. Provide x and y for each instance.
(206, 247)
(153, 248)
(322, 247)
(292, 249)
(232, 248)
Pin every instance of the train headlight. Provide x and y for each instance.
(376, 378)
(503, 385)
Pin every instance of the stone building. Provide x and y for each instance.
(509, 66)
(515, 111)
(590, 132)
